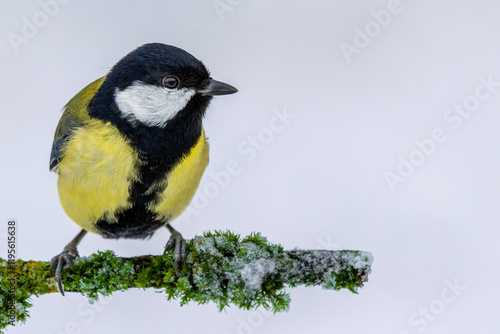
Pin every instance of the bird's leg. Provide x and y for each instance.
(178, 244)
(67, 256)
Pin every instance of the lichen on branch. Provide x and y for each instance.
(222, 268)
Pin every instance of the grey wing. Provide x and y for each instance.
(56, 153)
(67, 124)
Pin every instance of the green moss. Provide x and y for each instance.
(101, 274)
(31, 276)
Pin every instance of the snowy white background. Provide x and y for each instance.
(318, 183)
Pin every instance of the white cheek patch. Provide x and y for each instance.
(151, 105)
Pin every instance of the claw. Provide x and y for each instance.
(53, 263)
(169, 246)
(178, 244)
(183, 252)
(58, 278)
(67, 256)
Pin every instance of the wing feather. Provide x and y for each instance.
(75, 115)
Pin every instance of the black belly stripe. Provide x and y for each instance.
(137, 222)
(134, 223)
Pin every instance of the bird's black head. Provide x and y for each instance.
(154, 83)
(152, 63)
(157, 96)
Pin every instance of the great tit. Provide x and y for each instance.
(130, 148)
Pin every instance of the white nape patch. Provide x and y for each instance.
(151, 105)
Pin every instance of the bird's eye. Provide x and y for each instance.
(170, 82)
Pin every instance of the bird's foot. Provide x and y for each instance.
(178, 244)
(67, 256)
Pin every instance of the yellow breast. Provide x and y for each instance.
(95, 173)
(98, 167)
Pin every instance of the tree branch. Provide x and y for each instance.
(222, 268)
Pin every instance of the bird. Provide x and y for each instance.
(130, 149)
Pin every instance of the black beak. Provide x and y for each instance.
(217, 88)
